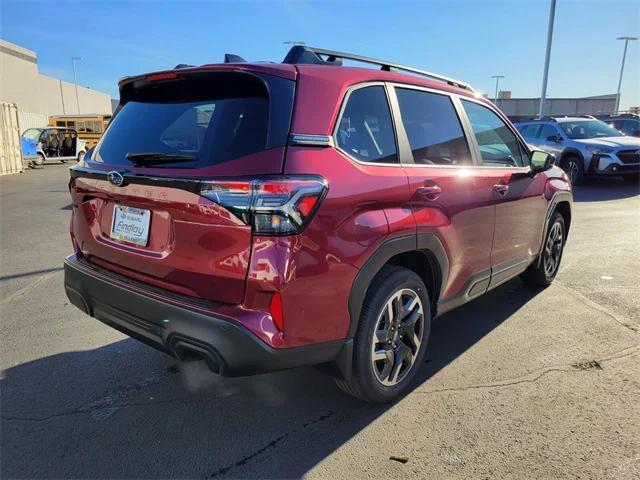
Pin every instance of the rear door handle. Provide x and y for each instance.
(430, 191)
(501, 188)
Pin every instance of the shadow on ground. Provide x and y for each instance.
(602, 189)
(124, 410)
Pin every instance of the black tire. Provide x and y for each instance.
(573, 166)
(41, 160)
(365, 382)
(81, 156)
(539, 273)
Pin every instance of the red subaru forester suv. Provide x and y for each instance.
(263, 216)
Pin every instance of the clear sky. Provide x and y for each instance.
(469, 40)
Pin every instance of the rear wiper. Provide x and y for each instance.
(141, 159)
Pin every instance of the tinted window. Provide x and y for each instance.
(547, 131)
(365, 129)
(628, 127)
(580, 129)
(530, 131)
(498, 144)
(214, 118)
(433, 128)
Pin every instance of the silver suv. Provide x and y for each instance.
(585, 146)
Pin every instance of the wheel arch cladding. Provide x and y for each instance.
(564, 209)
(570, 152)
(423, 254)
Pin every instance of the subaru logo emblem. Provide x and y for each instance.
(115, 178)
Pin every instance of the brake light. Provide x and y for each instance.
(156, 77)
(272, 206)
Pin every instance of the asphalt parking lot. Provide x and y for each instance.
(521, 383)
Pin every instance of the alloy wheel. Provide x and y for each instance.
(398, 336)
(573, 171)
(553, 249)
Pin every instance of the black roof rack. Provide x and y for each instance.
(311, 55)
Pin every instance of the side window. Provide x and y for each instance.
(499, 147)
(547, 131)
(433, 128)
(533, 130)
(365, 130)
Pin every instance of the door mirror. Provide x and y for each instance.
(541, 161)
(554, 139)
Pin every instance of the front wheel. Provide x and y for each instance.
(391, 338)
(575, 170)
(545, 269)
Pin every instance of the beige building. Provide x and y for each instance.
(39, 96)
(520, 108)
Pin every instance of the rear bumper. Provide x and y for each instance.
(229, 348)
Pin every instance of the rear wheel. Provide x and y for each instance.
(391, 338)
(545, 269)
(80, 156)
(39, 160)
(573, 166)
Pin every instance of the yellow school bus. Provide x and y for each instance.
(89, 127)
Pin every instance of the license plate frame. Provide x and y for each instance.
(131, 225)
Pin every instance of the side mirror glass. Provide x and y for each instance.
(541, 161)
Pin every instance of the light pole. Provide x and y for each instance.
(547, 56)
(75, 80)
(495, 97)
(624, 56)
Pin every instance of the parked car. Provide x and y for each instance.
(585, 146)
(627, 123)
(273, 215)
(55, 143)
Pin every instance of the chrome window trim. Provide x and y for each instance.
(513, 130)
(310, 140)
(336, 126)
(405, 139)
(456, 100)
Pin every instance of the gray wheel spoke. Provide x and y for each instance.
(382, 335)
(409, 321)
(380, 355)
(397, 337)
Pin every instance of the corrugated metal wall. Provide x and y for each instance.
(32, 120)
(10, 151)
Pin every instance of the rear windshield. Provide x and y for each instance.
(212, 118)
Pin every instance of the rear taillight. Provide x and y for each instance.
(272, 206)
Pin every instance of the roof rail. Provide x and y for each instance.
(311, 55)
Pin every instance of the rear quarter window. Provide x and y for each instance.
(365, 130)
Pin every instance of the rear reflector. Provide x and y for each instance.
(275, 308)
(272, 206)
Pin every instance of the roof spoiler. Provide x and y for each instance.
(310, 55)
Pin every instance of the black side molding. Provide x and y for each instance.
(390, 248)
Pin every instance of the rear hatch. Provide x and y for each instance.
(139, 207)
